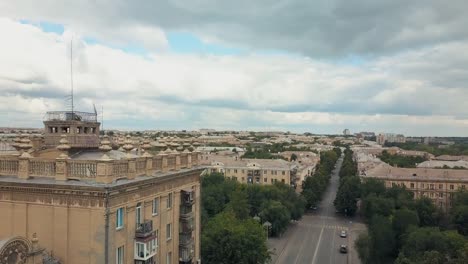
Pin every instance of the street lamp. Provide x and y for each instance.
(268, 227)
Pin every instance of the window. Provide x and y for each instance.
(264, 172)
(169, 201)
(441, 195)
(168, 231)
(282, 180)
(271, 180)
(265, 180)
(441, 186)
(234, 178)
(140, 249)
(120, 255)
(155, 206)
(243, 179)
(283, 172)
(235, 171)
(422, 185)
(169, 258)
(451, 187)
(138, 214)
(412, 185)
(119, 221)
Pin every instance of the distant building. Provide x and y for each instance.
(254, 171)
(437, 184)
(346, 132)
(383, 138)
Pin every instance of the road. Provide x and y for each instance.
(315, 239)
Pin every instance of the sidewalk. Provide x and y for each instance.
(277, 244)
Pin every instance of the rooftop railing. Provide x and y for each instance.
(71, 116)
(103, 170)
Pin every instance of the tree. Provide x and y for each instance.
(372, 186)
(227, 240)
(374, 205)
(382, 238)
(362, 246)
(427, 212)
(277, 214)
(239, 205)
(347, 195)
(403, 219)
(293, 157)
(459, 212)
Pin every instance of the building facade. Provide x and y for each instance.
(255, 171)
(437, 184)
(98, 205)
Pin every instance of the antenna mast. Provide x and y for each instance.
(71, 78)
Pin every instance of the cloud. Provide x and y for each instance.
(414, 92)
(324, 28)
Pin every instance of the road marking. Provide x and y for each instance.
(302, 246)
(317, 247)
(332, 256)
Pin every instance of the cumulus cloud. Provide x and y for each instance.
(416, 91)
(325, 28)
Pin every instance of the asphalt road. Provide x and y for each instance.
(315, 239)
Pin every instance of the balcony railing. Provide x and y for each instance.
(185, 254)
(144, 229)
(187, 197)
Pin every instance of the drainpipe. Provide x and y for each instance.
(106, 226)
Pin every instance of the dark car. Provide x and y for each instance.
(343, 249)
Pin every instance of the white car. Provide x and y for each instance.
(343, 233)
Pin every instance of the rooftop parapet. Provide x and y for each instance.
(103, 170)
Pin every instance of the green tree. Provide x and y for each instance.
(277, 214)
(372, 186)
(403, 219)
(362, 245)
(347, 195)
(227, 240)
(239, 204)
(374, 205)
(382, 238)
(293, 157)
(427, 212)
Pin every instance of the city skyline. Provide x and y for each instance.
(294, 67)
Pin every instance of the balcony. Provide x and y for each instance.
(187, 197)
(144, 230)
(186, 227)
(185, 254)
(185, 239)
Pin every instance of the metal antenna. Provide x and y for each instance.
(71, 78)
(102, 117)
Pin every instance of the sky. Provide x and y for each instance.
(300, 66)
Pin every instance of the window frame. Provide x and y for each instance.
(121, 250)
(155, 206)
(169, 200)
(168, 231)
(119, 218)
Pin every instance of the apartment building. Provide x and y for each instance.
(254, 171)
(79, 201)
(437, 184)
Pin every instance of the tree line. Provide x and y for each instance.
(405, 230)
(234, 214)
(315, 185)
(400, 160)
(349, 186)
